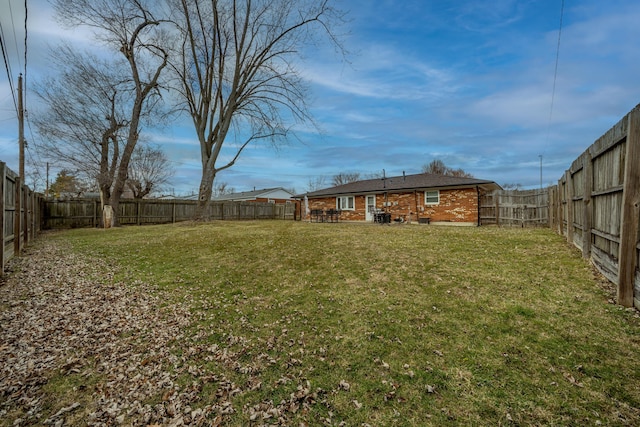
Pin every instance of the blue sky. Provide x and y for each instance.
(467, 82)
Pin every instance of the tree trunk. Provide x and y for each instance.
(204, 194)
(114, 202)
(105, 195)
(107, 216)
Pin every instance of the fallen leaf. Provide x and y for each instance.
(344, 385)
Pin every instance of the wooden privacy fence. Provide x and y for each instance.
(515, 208)
(87, 212)
(21, 213)
(596, 205)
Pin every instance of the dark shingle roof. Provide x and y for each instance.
(250, 194)
(404, 183)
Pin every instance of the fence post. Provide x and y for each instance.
(587, 210)
(552, 206)
(17, 215)
(497, 204)
(627, 256)
(25, 214)
(560, 207)
(569, 196)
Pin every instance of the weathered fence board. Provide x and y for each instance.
(18, 226)
(595, 205)
(75, 213)
(598, 206)
(515, 208)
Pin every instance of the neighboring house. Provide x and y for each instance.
(268, 195)
(424, 198)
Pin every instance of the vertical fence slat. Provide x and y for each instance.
(587, 208)
(569, 190)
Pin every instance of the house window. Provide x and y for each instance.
(432, 197)
(345, 203)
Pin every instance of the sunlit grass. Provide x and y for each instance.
(427, 325)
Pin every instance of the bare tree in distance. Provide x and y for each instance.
(512, 186)
(222, 188)
(438, 167)
(316, 183)
(149, 170)
(131, 31)
(237, 76)
(345, 178)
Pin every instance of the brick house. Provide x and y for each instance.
(422, 198)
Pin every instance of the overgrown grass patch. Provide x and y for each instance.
(390, 325)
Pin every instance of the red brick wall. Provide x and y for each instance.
(455, 206)
(330, 203)
(459, 205)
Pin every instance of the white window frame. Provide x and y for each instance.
(342, 203)
(431, 194)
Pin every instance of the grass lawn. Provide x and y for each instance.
(351, 324)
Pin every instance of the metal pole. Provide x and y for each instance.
(540, 171)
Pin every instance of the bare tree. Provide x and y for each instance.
(438, 167)
(236, 73)
(149, 169)
(222, 188)
(131, 31)
(84, 120)
(345, 178)
(316, 183)
(512, 186)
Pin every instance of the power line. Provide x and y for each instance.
(15, 38)
(555, 75)
(7, 67)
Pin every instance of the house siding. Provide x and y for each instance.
(456, 205)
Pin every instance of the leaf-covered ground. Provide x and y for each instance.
(282, 323)
(66, 325)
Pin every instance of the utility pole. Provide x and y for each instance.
(540, 171)
(17, 229)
